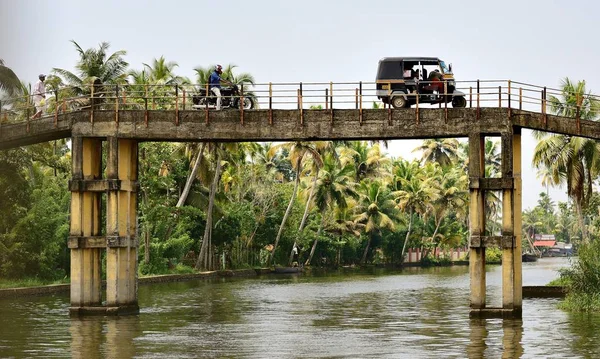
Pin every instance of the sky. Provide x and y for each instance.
(537, 42)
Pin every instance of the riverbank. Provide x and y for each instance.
(163, 278)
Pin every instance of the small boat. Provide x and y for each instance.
(528, 257)
(287, 270)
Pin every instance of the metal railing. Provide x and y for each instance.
(271, 96)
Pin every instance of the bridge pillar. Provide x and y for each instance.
(86, 282)
(512, 297)
(477, 221)
(86, 240)
(121, 226)
(510, 239)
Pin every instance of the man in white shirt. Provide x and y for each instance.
(39, 97)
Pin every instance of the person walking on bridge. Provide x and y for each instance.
(39, 97)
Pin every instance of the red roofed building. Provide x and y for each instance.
(544, 240)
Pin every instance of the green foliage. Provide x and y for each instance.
(37, 244)
(583, 280)
(493, 255)
(560, 282)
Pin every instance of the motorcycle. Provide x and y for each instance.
(230, 98)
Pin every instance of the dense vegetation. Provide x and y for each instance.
(216, 205)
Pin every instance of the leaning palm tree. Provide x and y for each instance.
(571, 160)
(9, 81)
(297, 152)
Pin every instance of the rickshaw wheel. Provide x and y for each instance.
(399, 102)
(459, 101)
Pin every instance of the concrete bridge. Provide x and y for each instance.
(123, 120)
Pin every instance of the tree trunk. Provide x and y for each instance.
(363, 261)
(584, 235)
(287, 211)
(305, 216)
(191, 178)
(426, 252)
(314, 246)
(203, 261)
(407, 235)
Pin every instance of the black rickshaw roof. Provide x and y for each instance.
(411, 58)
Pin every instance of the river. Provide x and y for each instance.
(414, 313)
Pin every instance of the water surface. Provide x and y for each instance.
(415, 313)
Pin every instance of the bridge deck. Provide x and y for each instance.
(278, 125)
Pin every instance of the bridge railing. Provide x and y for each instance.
(303, 96)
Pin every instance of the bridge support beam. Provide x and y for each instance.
(121, 226)
(510, 239)
(120, 241)
(86, 281)
(477, 221)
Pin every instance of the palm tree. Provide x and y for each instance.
(333, 187)
(95, 66)
(376, 209)
(443, 151)
(573, 160)
(204, 258)
(161, 72)
(368, 161)
(9, 81)
(452, 184)
(297, 151)
(414, 193)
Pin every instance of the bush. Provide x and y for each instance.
(493, 255)
(583, 280)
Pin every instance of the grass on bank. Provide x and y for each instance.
(30, 282)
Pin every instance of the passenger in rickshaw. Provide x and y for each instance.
(436, 83)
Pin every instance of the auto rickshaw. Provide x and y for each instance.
(400, 80)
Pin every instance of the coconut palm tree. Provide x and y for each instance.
(95, 66)
(573, 160)
(368, 161)
(452, 185)
(415, 194)
(297, 152)
(376, 209)
(443, 151)
(9, 81)
(161, 72)
(333, 186)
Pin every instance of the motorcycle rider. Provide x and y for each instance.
(215, 84)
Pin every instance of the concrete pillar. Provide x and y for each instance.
(86, 280)
(511, 225)
(121, 226)
(517, 222)
(477, 221)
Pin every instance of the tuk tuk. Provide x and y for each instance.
(401, 81)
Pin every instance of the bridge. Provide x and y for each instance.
(123, 116)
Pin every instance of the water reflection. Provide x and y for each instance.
(512, 337)
(104, 337)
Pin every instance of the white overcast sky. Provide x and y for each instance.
(538, 42)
